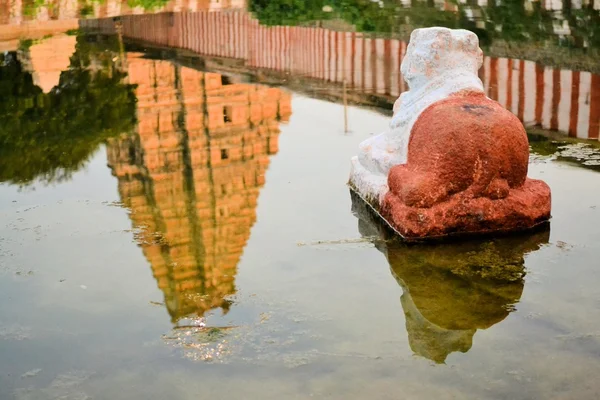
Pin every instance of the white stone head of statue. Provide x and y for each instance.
(438, 62)
(433, 52)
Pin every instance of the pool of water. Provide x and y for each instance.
(175, 225)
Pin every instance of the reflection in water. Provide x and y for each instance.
(585, 155)
(53, 121)
(191, 176)
(46, 59)
(563, 22)
(17, 12)
(450, 290)
(541, 56)
(552, 93)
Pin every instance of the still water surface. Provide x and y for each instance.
(177, 225)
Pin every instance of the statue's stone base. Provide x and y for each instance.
(522, 209)
(370, 186)
(526, 209)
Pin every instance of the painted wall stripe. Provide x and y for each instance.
(583, 117)
(556, 99)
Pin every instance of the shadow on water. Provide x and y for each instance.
(451, 290)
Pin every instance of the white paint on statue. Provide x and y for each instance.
(438, 63)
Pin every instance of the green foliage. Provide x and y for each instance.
(288, 12)
(518, 24)
(365, 15)
(25, 44)
(49, 136)
(147, 4)
(86, 10)
(508, 20)
(585, 26)
(368, 16)
(30, 8)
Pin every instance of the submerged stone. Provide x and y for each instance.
(453, 161)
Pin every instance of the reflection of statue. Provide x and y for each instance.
(453, 161)
(191, 176)
(452, 289)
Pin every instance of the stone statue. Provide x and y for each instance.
(452, 161)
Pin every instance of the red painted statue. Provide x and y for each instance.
(453, 161)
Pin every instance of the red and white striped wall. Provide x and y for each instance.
(554, 99)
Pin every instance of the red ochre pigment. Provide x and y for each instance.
(466, 173)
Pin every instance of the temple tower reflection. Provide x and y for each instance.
(191, 175)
